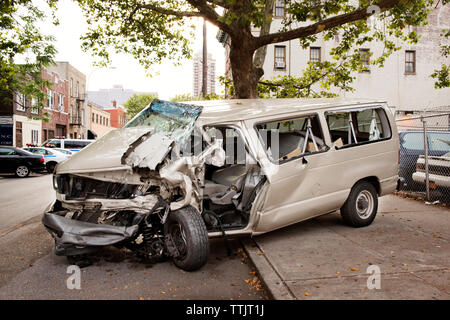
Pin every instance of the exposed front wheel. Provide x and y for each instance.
(22, 171)
(361, 206)
(187, 238)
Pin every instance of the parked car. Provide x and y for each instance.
(20, 162)
(65, 151)
(177, 174)
(412, 146)
(439, 171)
(51, 156)
(73, 145)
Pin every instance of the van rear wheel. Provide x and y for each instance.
(361, 206)
(188, 238)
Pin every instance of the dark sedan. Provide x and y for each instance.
(20, 162)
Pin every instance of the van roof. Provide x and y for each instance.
(244, 109)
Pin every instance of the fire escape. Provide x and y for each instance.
(76, 117)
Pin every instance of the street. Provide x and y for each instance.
(30, 270)
(23, 199)
(317, 259)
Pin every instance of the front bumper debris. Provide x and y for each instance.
(79, 237)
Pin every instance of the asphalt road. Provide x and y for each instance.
(30, 270)
(23, 199)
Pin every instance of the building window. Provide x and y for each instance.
(35, 137)
(20, 102)
(280, 57)
(71, 87)
(50, 99)
(96, 118)
(77, 90)
(34, 108)
(93, 117)
(410, 61)
(365, 59)
(279, 8)
(314, 54)
(60, 102)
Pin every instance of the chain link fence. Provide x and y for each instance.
(425, 156)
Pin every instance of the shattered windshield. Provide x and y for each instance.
(171, 119)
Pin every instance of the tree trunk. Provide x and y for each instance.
(245, 74)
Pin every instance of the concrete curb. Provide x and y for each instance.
(268, 274)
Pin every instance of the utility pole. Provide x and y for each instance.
(205, 62)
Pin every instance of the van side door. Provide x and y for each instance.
(294, 156)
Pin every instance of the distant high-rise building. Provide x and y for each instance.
(198, 75)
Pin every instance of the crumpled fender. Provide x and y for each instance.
(80, 233)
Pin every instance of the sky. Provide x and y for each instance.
(167, 80)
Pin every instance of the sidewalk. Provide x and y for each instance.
(325, 259)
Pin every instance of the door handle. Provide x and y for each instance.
(304, 161)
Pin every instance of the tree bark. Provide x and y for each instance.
(245, 74)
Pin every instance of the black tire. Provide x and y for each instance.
(193, 248)
(51, 167)
(22, 171)
(361, 206)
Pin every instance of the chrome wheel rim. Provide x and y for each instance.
(179, 239)
(22, 171)
(364, 204)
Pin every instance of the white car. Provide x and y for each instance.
(65, 151)
(51, 156)
(439, 171)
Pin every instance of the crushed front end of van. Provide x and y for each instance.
(133, 188)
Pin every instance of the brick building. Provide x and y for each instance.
(77, 94)
(118, 115)
(21, 124)
(56, 106)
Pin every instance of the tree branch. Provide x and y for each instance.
(323, 25)
(220, 3)
(210, 14)
(158, 9)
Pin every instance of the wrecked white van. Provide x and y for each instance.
(177, 174)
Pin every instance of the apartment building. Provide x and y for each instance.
(56, 106)
(197, 75)
(98, 121)
(118, 115)
(404, 81)
(21, 123)
(77, 94)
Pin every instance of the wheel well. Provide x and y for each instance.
(374, 181)
(51, 162)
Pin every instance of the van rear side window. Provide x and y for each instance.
(356, 127)
(289, 139)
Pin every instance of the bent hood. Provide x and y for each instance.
(144, 142)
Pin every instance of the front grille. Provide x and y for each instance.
(74, 187)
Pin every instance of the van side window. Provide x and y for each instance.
(349, 128)
(232, 143)
(287, 139)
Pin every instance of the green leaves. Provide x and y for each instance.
(155, 30)
(137, 102)
(20, 37)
